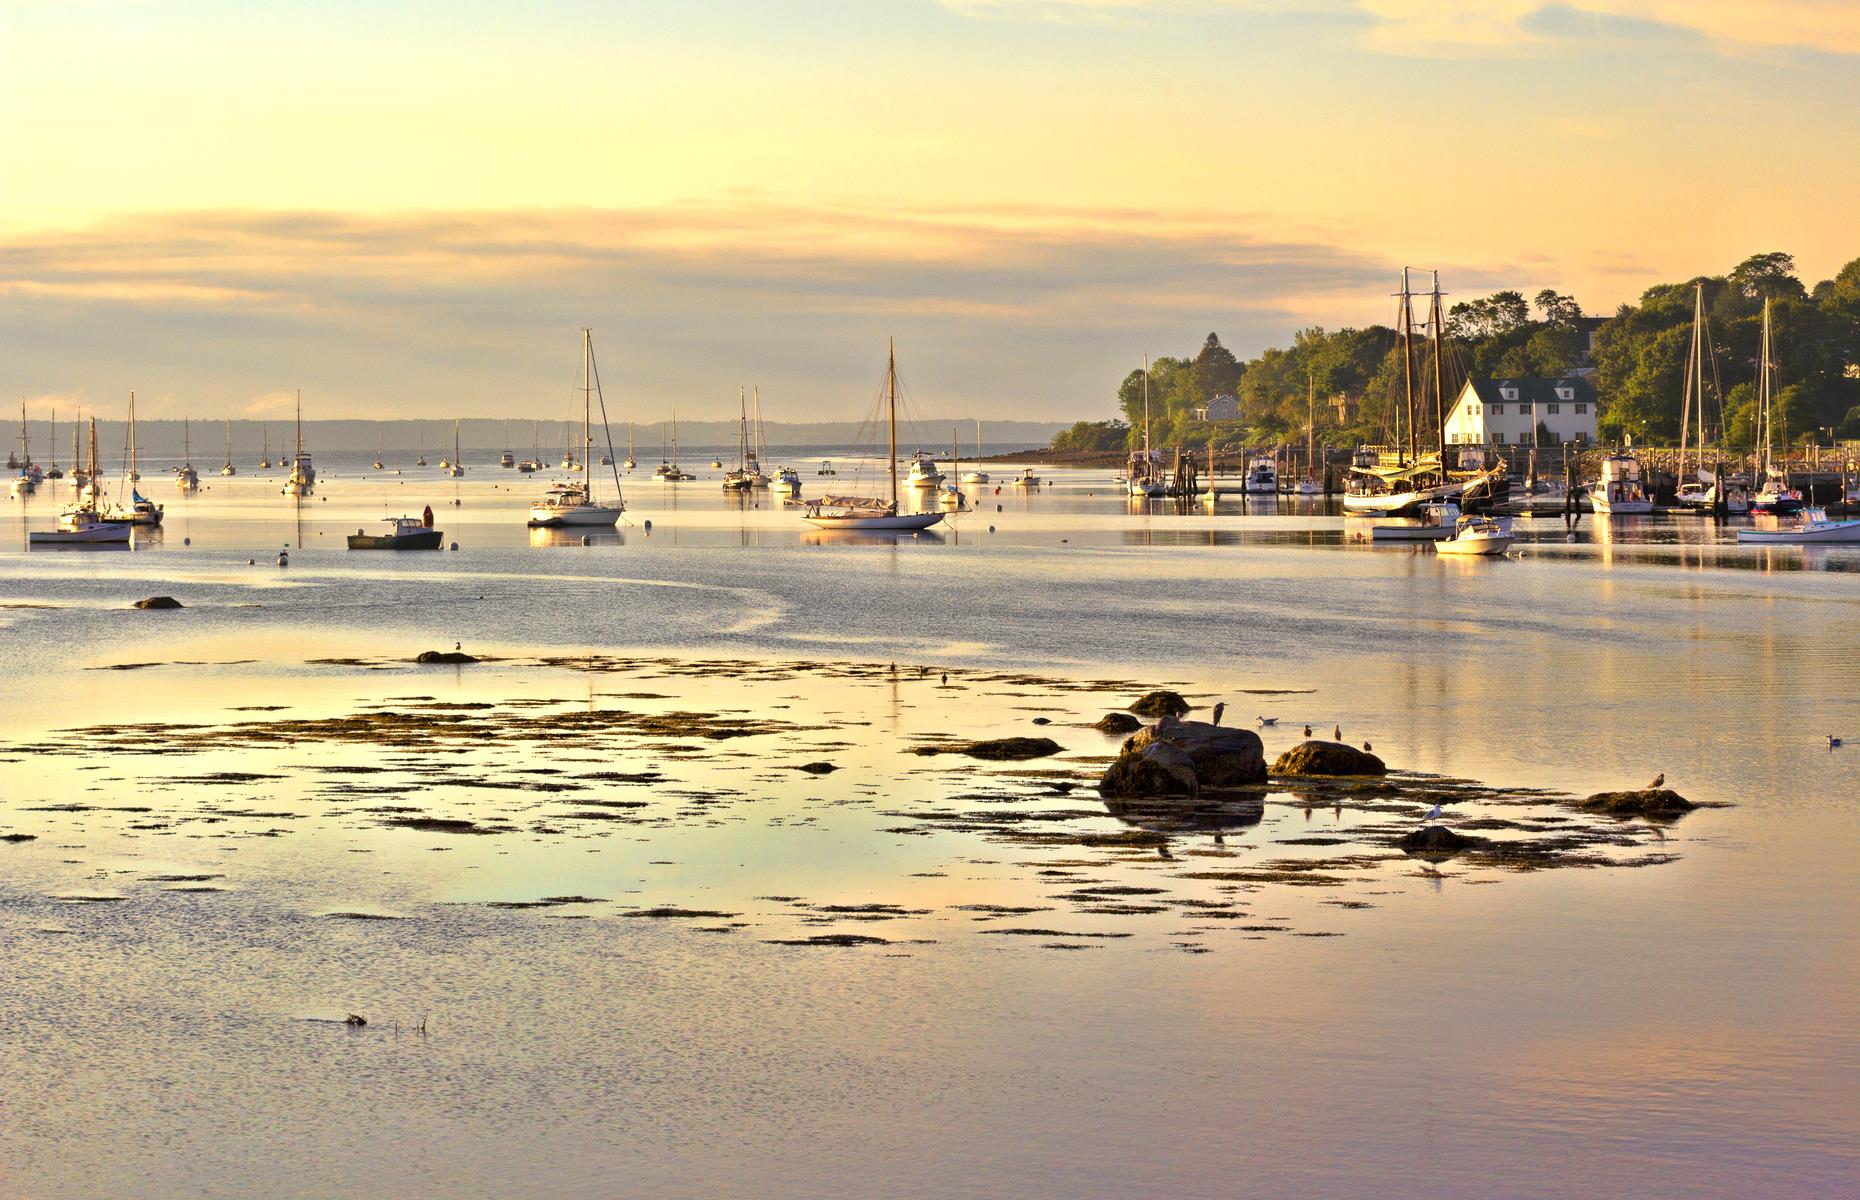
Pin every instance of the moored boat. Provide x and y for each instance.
(575, 503)
(1477, 535)
(1813, 526)
(869, 512)
(404, 533)
(1619, 492)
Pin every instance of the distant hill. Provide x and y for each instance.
(163, 439)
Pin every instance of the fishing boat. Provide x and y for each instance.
(1477, 535)
(1619, 492)
(575, 503)
(1262, 476)
(1434, 522)
(1774, 495)
(923, 472)
(1026, 479)
(976, 476)
(185, 477)
(456, 467)
(787, 483)
(1812, 526)
(83, 524)
(141, 510)
(302, 479)
(404, 533)
(870, 512)
(228, 468)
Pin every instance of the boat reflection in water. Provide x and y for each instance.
(579, 535)
(1216, 814)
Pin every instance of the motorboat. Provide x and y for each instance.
(669, 472)
(787, 482)
(868, 512)
(575, 504)
(302, 479)
(1436, 522)
(81, 530)
(1776, 496)
(923, 472)
(1477, 535)
(404, 533)
(1619, 492)
(1813, 526)
(1262, 476)
(1026, 479)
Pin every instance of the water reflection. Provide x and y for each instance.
(1213, 814)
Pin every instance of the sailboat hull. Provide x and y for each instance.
(895, 521)
(582, 515)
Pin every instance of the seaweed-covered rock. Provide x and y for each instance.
(1328, 758)
(1647, 802)
(159, 602)
(1161, 704)
(1117, 723)
(817, 768)
(444, 657)
(1437, 839)
(1157, 769)
(1223, 756)
(1007, 749)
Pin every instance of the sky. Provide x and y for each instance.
(411, 208)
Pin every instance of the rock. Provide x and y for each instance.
(1158, 769)
(1007, 749)
(1160, 704)
(1328, 758)
(444, 656)
(1223, 756)
(817, 768)
(19, 837)
(1437, 839)
(1043, 720)
(355, 1019)
(1117, 723)
(159, 602)
(1648, 802)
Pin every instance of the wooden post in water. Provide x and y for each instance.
(1571, 512)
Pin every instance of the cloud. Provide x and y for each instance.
(1451, 27)
(1020, 310)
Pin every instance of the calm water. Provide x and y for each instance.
(1681, 1028)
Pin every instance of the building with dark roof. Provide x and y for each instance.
(1523, 412)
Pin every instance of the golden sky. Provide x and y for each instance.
(215, 201)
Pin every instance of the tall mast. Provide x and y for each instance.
(587, 401)
(96, 485)
(742, 429)
(1310, 429)
(132, 439)
(762, 445)
(891, 400)
(1766, 418)
(300, 422)
(1146, 416)
(1405, 319)
(1436, 318)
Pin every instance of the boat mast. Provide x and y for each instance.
(1695, 370)
(742, 430)
(587, 401)
(1436, 318)
(1405, 319)
(300, 425)
(133, 473)
(762, 442)
(1766, 419)
(96, 486)
(891, 400)
(1146, 417)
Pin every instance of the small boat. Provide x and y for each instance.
(264, 458)
(669, 471)
(716, 462)
(1813, 526)
(528, 466)
(1140, 477)
(27, 481)
(506, 459)
(404, 533)
(1775, 496)
(870, 512)
(1618, 492)
(923, 472)
(228, 468)
(1262, 476)
(302, 479)
(82, 524)
(185, 477)
(629, 464)
(377, 452)
(740, 477)
(420, 440)
(787, 482)
(1307, 486)
(1477, 535)
(455, 468)
(976, 476)
(53, 471)
(575, 504)
(1436, 522)
(1026, 479)
(826, 467)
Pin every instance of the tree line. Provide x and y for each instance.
(1639, 365)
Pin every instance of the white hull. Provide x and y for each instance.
(90, 535)
(1475, 543)
(1381, 504)
(975, 477)
(899, 521)
(1832, 531)
(1603, 506)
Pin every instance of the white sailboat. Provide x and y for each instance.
(53, 471)
(229, 469)
(264, 458)
(26, 482)
(1142, 479)
(738, 478)
(302, 479)
(141, 510)
(185, 477)
(629, 464)
(669, 471)
(83, 524)
(575, 503)
(977, 475)
(867, 512)
(455, 468)
(1774, 495)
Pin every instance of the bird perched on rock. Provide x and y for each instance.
(1307, 729)
(1658, 781)
(1367, 747)
(1265, 721)
(1336, 735)
(1218, 710)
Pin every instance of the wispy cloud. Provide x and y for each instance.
(1010, 309)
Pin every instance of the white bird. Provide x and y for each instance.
(1268, 721)
(1433, 814)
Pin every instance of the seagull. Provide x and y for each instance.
(1336, 735)
(1658, 781)
(1433, 814)
(1218, 710)
(1307, 729)
(1268, 721)
(1833, 741)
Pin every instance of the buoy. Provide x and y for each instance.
(991, 529)
(187, 541)
(648, 526)
(455, 545)
(997, 508)
(586, 540)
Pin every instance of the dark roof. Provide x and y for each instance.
(1541, 391)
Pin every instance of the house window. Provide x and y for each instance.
(1581, 409)
(1508, 393)
(1495, 410)
(1498, 439)
(1564, 393)
(1555, 409)
(1472, 410)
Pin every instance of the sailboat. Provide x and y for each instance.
(185, 477)
(1308, 484)
(264, 458)
(26, 482)
(1142, 479)
(575, 503)
(141, 510)
(866, 512)
(82, 523)
(420, 441)
(506, 459)
(1774, 495)
(454, 468)
(377, 462)
(533, 463)
(78, 476)
(629, 464)
(757, 477)
(302, 480)
(978, 475)
(669, 471)
(229, 469)
(951, 495)
(738, 480)
(53, 471)
(1416, 479)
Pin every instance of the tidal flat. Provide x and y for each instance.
(661, 896)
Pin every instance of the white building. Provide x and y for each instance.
(1221, 408)
(1523, 412)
